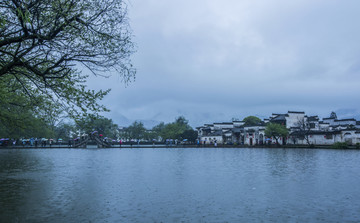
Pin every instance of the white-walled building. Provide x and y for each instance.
(303, 129)
(294, 118)
(254, 135)
(350, 137)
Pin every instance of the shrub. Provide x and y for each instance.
(340, 145)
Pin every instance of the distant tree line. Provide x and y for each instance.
(38, 127)
(177, 130)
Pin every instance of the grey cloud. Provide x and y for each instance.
(212, 60)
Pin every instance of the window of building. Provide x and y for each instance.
(329, 136)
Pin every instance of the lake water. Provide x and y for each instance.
(179, 185)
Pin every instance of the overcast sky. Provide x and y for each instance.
(213, 60)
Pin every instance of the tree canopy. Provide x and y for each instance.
(46, 38)
(190, 134)
(136, 130)
(276, 131)
(100, 124)
(174, 130)
(251, 121)
(19, 116)
(44, 46)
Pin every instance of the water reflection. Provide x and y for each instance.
(179, 185)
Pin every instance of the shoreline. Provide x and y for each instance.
(150, 146)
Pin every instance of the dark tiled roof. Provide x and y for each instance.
(296, 112)
(313, 118)
(216, 133)
(256, 125)
(344, 120)
(277, 114)
(279, 118)
(334, 126)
